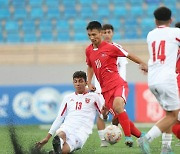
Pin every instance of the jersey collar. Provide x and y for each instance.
(162, 26)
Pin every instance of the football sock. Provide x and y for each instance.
(153, 133)
(101, 134)
(125, 124)
(166, 139)
(134, 130)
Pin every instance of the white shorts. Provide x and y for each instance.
(167, 95)
(74, 138)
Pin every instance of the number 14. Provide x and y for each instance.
(161, 51)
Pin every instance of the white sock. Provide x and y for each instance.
(166, 139)
(101, 134)
(62, 142)
(153, 133)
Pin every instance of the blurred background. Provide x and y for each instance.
(42, 43)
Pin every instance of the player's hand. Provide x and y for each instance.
(41, 143)
(143, 67)
(105, 112)
(91, 87)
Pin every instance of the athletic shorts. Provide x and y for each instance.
(167, 95)
(74, 138)
(118, 91)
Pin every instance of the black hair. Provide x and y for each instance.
(94, 25)
(80, 74)
(107, 26)
(162, 13)
(177, 25)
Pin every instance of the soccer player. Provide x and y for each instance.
(163, 43)
(75, 120)
(101, 58)
(107, 34)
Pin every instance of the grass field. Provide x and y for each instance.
(29, 135)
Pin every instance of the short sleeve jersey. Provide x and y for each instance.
(78, 110)
(103, 60)
(163, 43)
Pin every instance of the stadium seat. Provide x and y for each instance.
(119, 12)
(4, 3)
(136, 11)
(79, 24)
(45, 26)
(20, 13)
(103, 13)
(152, 1)
(62, 25)
(52, 3)
(53, 13)
(1, 38)
(150, 10)
(30, 37)
(63, 37)
(169, 2)
(86, 12)
(68, 4)
(102, 3)
(36, 13)
(131, 34)
(13, 38)
(70, 13)
(36, 3)
(135, 2)
(115, 22)
(11, 26)
(80, 36)
(46, 37)
(119, 2)
(4, 14)
(18, 3)
(28, 26)
(117, 36)
(86, 3)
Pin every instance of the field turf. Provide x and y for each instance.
(29, 135)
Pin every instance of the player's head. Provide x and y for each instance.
(177, 25)
(80, 81)
(107, 32)
(94, 32)
(163, 16)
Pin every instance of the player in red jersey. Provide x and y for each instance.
(101, 58)
(176, 127)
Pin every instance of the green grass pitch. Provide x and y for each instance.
(29, 135)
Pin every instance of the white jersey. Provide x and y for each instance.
(163, 43)
(77, 110)
(121, 65)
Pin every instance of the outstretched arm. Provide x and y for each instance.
(41, 143)
(90, 74)
(143, 65)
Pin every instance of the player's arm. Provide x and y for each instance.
(56, 124)
(90, 74)
(143, 65)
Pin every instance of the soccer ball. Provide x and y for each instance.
(112, 134)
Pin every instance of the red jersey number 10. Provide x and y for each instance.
(160, 54)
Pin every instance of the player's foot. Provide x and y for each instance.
(104, 143)
(57, 145)
(144, 145)
(166, 150)
(128, 141)
(143, 134)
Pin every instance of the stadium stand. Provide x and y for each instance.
(63, 20)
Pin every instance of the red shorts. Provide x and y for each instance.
(118, 91)
(178, 81)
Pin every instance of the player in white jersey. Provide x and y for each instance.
(163, 43)
(75, 120)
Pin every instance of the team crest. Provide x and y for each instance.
(87, 100)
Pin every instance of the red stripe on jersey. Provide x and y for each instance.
(97, 107)
(178, 39)
(65, 107)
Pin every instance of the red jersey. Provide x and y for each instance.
(103, 60)
(178, 69)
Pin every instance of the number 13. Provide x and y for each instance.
(161, 51)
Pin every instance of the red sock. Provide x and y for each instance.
(124, 122)
(176, 130)
(134, 130)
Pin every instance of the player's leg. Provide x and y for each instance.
(118, 107)
(101, 127)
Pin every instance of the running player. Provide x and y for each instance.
(163, 43)
(101, 58)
